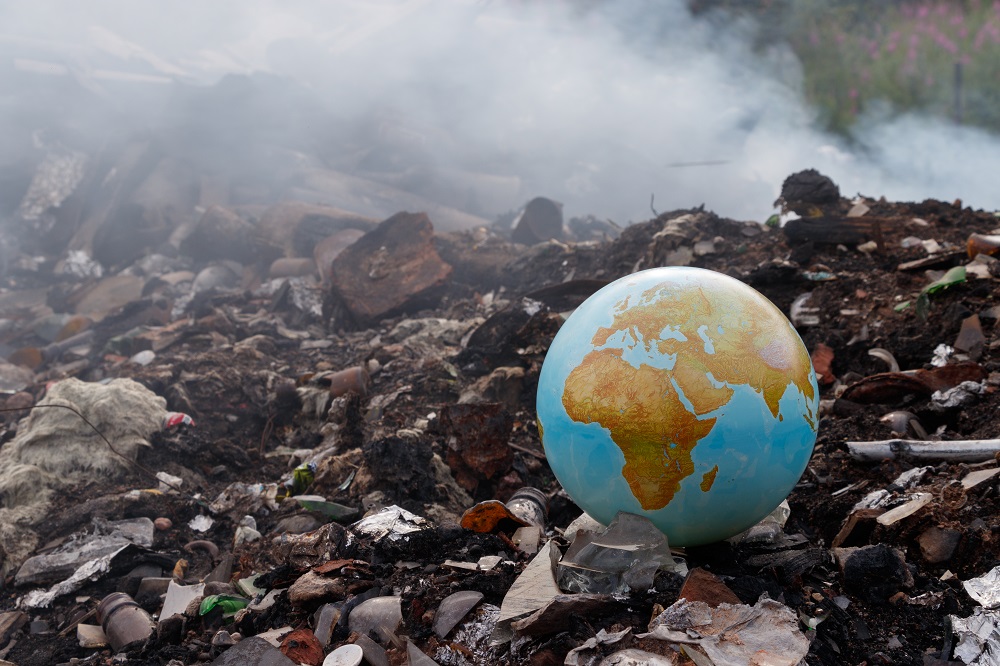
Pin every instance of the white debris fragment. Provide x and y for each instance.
(56, 178)
(90, 571)
(733, 634)
(978, 637)
(911, 478)
(941, 355)
(802, 315)
(201, 523)
(168, 482)
(80, 265)
(962, 395)
(392, 521)
(985, 590)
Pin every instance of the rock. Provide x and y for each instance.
(302, 647)
(345, 655)
(391, 270)
(702, 585)
(541, 220)
(503, 385)
(297, 524)
(477, 441)
(379, 614)
(330, 248)
(292, 228)
(253, 651)
(291, 267)
(874, 572)
(938, 544)
(312, 586)
(220, 234)
(808, 189)
(108, 295)
(219, 276)
(15, 378)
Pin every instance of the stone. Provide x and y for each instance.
(330, 248)
(345, 655)
(302, 647)
(477, 441)
(300, 523)
(15, 378)
(874, 572)
(292, 228)
(702, 585)
(540, 221)
(108, 295)
(292, 267)
(393, 269)
(938, 544)
(253, 651)
(312, 586)
(220, 234)
(382, 615)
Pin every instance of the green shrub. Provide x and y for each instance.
(906, 54)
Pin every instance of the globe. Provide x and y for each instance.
(682, 395)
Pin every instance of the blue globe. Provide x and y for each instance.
(682, 395)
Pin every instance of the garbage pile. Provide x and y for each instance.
(301, 434)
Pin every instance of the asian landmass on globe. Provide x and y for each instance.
(674, 362)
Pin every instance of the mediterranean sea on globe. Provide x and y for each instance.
(680, 394)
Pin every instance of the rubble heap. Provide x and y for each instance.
(322, 448)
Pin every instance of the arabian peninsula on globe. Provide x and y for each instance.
(680, 394)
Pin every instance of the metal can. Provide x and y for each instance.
(124, 621)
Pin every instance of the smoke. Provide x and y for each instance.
(479, 105)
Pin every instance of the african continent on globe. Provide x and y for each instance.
(680, 394)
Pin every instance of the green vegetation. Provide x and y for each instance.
(941, 58)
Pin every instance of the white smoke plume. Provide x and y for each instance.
(599, 105)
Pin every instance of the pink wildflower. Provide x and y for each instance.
(946, 43)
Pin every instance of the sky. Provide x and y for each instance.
(611, 108)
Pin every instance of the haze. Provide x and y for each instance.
(598, 105)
